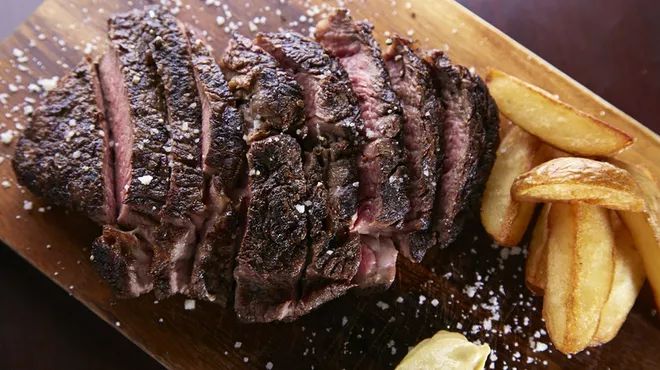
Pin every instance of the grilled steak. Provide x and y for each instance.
(135, 112)
(182, 214)
(64, 155)
(123, 259)
(264, 90)
(383, 178)
(272, 256)
(223, 152)
(422, 129)
(470, 140)
(331, 149)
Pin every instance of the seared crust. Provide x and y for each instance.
(383, 176)
(63, 154)
(272, 256)
(269, 98)
(470, 138)
(422, 132)
(331, 149)
(149, 136)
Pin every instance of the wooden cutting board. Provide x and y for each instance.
(452, 289)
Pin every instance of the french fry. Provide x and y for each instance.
(503, 218)
(572, 179)
(557, 123)
(537, 255)
(579, 273)
(628, 279)
(645, 226)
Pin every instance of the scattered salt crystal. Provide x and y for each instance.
(435, 302)
(48, 83)
(6, 184)
(382, 305)
(269, 365)
(300, 208)
(117, 323)
(238, 345)
(189, 304)
(146, 179)
(540, 347)
(399, 300)
(76, 154)
(344, 321)
(515, 251)
(7, 137)
(422, 299)
(17, 53)
(12, 88)
(27, 205)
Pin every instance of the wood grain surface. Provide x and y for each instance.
(355, 331)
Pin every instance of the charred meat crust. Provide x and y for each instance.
(331, 149)
(383, 176)
(63, 154)
(272, 255)
(182, 214)
(269, 98)
(223, 153)
(123, 260)
(470, 141)
(135, 106)
(422, 131)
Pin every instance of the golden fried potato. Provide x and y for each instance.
(503, 218)
(579, 273)
(628, 279)
(645, 226)
(572, 179)
(554, 122)
(537, 255)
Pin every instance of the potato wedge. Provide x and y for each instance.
(572, 179)
(629, 276)
(503, 218)
(579, 273)
(554, 122)
(645, 226)
(537, 255)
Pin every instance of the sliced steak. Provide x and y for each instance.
(123, 259)
(223, 153)
(383, 177)
(422, 130)
(272, 255)
(183, 212)
(64, 154)
(330, 158)
(270, 99)
(470, 140)
(135, 112)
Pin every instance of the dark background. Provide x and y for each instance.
(610, 46)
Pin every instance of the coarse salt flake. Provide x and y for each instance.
(145, 180)
(189, 304)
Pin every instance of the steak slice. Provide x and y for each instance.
(123, 259)
(270, 99)
(135, 112)
(64, 154)
(383, 177)
(330, 162)
(422, 130)
(223, 153)
(470, 140)
(182, 214)
(272, 255)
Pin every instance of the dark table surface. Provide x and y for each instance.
(612, 47)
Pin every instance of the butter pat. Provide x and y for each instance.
(446, 351)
